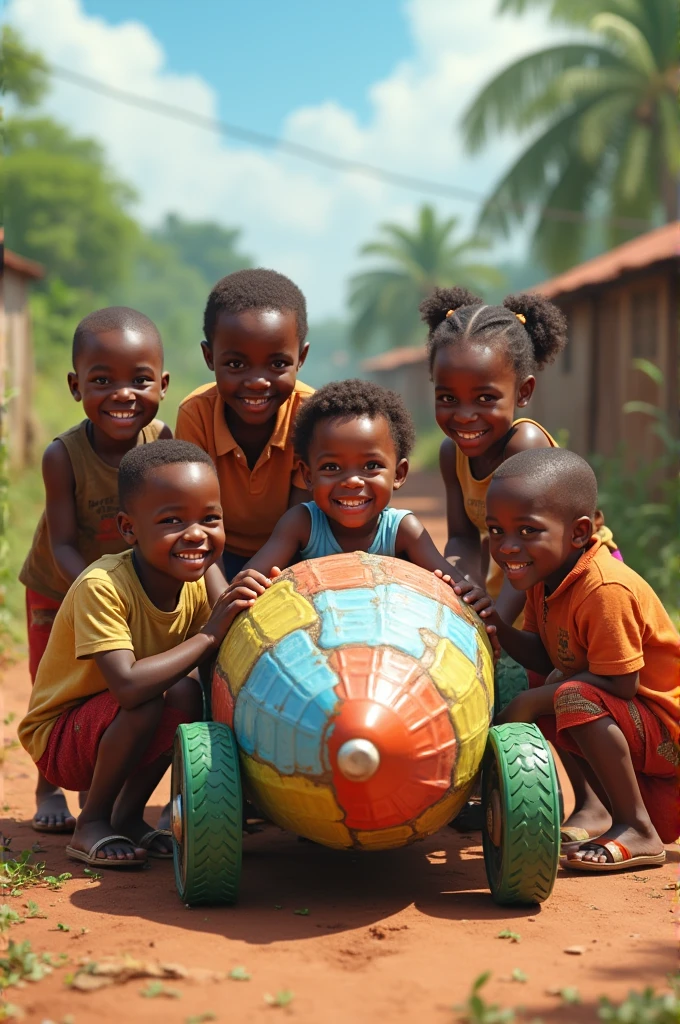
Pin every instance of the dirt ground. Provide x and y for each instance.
(388, 936)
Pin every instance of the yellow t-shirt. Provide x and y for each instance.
(474, 497)
(105, 609)
(253, 500)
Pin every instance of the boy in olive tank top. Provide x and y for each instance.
(118, 376)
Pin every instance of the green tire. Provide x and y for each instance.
(206, 814)
(520, 797)
(510, 678)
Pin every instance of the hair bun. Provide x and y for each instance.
(545, 324)
(436, 307)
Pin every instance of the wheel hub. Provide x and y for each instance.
(176, 826)
(358, 760)
(493, 817)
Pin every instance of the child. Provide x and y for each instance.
(118, 376)
(117, 675)
(483, 361)
(353, 439)
(255, 327)
(614, 688)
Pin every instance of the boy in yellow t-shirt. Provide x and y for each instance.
(118, 676)
(255, 326)
(612, 698)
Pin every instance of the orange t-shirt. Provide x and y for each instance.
(254, 500)
(605, 619)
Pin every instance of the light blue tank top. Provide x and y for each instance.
(322, 542)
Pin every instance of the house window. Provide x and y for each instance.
(645, 323)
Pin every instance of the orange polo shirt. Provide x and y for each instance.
(606, 619)
(253, 500)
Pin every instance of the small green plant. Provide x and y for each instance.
(200, 1018)
(303, 911)
(19, 963)
(646, 1007)
(239, 974)
(156, 989)
(94, 876)
(8, 1011)
(519, 975)
(33, 910)
(507, 934)
(55, 882)
(282, 998)
(476, 1011)
(63, 927)
(17, 874)
(8, 917)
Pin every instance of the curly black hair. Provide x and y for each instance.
(532, 341)
(347, 399)
(255, 289)
(139, 463)
(112, 318)
(554, 478)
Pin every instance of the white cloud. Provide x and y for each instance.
(304, 220)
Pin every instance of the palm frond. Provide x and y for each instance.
(598, 122)
(502, 103)
(635, 159)
(670, 133)
(583, 83)
(629, 38)
(558, 244)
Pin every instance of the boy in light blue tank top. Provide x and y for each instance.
(353, 438)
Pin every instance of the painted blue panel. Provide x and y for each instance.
(347, 616)
(283, 708)
(460, 633)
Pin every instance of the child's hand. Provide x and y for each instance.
(478, 599)
(556, 676)
(241, 593)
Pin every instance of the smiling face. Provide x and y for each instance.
(174, 522)
(528, 537)
(119, 378)
(255, 356)
(353, 469)
(476, 391)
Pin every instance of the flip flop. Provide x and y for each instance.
(148, 838)
(90, 858)
(571, 834)
(622, 858)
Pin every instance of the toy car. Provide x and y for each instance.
(354, 700)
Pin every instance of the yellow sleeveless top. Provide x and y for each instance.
(474, 498)
(96, 496)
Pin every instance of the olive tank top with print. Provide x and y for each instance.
(96, 498)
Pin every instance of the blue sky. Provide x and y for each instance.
(267, 58)
(377, 81)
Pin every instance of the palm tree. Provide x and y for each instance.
(604, 120)
(385, 301)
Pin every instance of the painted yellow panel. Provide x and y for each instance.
(385, 838)
(452, 672)
(436, 817)
(280, 610)
(486, 659)
(238, 653)
(471, 723)
(297, 804)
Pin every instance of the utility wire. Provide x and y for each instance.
(310, 153)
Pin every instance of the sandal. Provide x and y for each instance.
(92, 860)
(621, 858)
(148, 838)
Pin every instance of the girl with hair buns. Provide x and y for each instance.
(483, 362)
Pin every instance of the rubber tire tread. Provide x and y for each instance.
(510, 678)
(526, 870)
(207, 756)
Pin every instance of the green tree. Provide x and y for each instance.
(385, 300)
(603, 116)
(209, 248)
(24, 71)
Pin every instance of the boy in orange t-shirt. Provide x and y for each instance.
(255, 328)
(611, 650)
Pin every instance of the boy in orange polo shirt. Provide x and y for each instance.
(610, 648)
(255, 325)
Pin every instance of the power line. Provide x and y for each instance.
(309, 153)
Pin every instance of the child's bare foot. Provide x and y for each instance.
(88, 834)
(639, 844)
(52, 813)
(138, 829)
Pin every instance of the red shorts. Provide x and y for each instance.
(654, 755)
(71, 752)
(40, 613)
